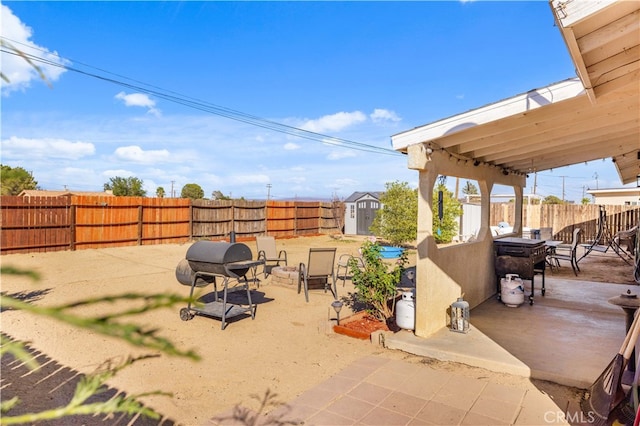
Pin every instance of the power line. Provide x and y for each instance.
(200, 104)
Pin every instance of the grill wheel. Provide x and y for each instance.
(185, 315)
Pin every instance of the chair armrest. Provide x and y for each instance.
(343, 260)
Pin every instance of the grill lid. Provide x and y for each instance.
(218, 257)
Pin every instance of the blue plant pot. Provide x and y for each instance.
(390, 252)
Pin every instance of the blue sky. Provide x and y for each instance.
(190, 92)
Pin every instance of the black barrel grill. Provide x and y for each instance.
(220, 258)
(208, 260)
(520, 256)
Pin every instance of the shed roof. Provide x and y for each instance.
(581, 119)
(358, 195)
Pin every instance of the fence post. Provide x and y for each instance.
(190, 219)
(72, 227)
(233, 218)
(140, 230)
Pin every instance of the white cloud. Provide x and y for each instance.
(340, 154)
(334, 122)
(136, 154)
(139, 100)
(297, 180)
(118, 173)
(346, 182)
(22, 148)
(380, 115)
(250, 179)
(290, 146)
(14, 67)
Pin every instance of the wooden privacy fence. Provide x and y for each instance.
(39, 224)
(32, 224)
(563, 218)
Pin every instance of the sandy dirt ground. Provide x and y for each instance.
(287, 349)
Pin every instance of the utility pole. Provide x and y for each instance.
(457, 187)
(563, 187)
(268, 191)
(172, 193)
(595, 175)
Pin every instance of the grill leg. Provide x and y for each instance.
(533, 286)
(224, 304)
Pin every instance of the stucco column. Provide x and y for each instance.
(444, 273)
(434, 292)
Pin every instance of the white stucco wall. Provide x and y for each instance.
(443, 274)
(616, 197)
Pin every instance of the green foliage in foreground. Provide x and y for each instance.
(108, 325)
(87, 387)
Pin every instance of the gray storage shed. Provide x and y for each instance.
(360, 210)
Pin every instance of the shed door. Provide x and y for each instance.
(365, 213)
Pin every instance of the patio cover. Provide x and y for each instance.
(593, 116)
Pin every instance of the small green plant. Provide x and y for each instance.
(375, 283)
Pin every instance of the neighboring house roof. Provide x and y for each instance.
(620, 191)
(614, 191)
(44, 193)
(581, 119)
(616, 196)
(358, 195)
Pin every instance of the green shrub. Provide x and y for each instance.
(375, 284)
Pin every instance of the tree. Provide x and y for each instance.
(552, 199)
(447, 228)
(16, 179)
(218, 195)
(160, 192)
(397, 220)
(130, 186)
(470, 189)
(585, 201)
(193, 191)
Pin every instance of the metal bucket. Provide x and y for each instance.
(185, 275)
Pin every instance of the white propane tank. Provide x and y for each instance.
(512, 290)
(406, 311)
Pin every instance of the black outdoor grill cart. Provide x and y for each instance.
(207, 261)
(520, 256)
